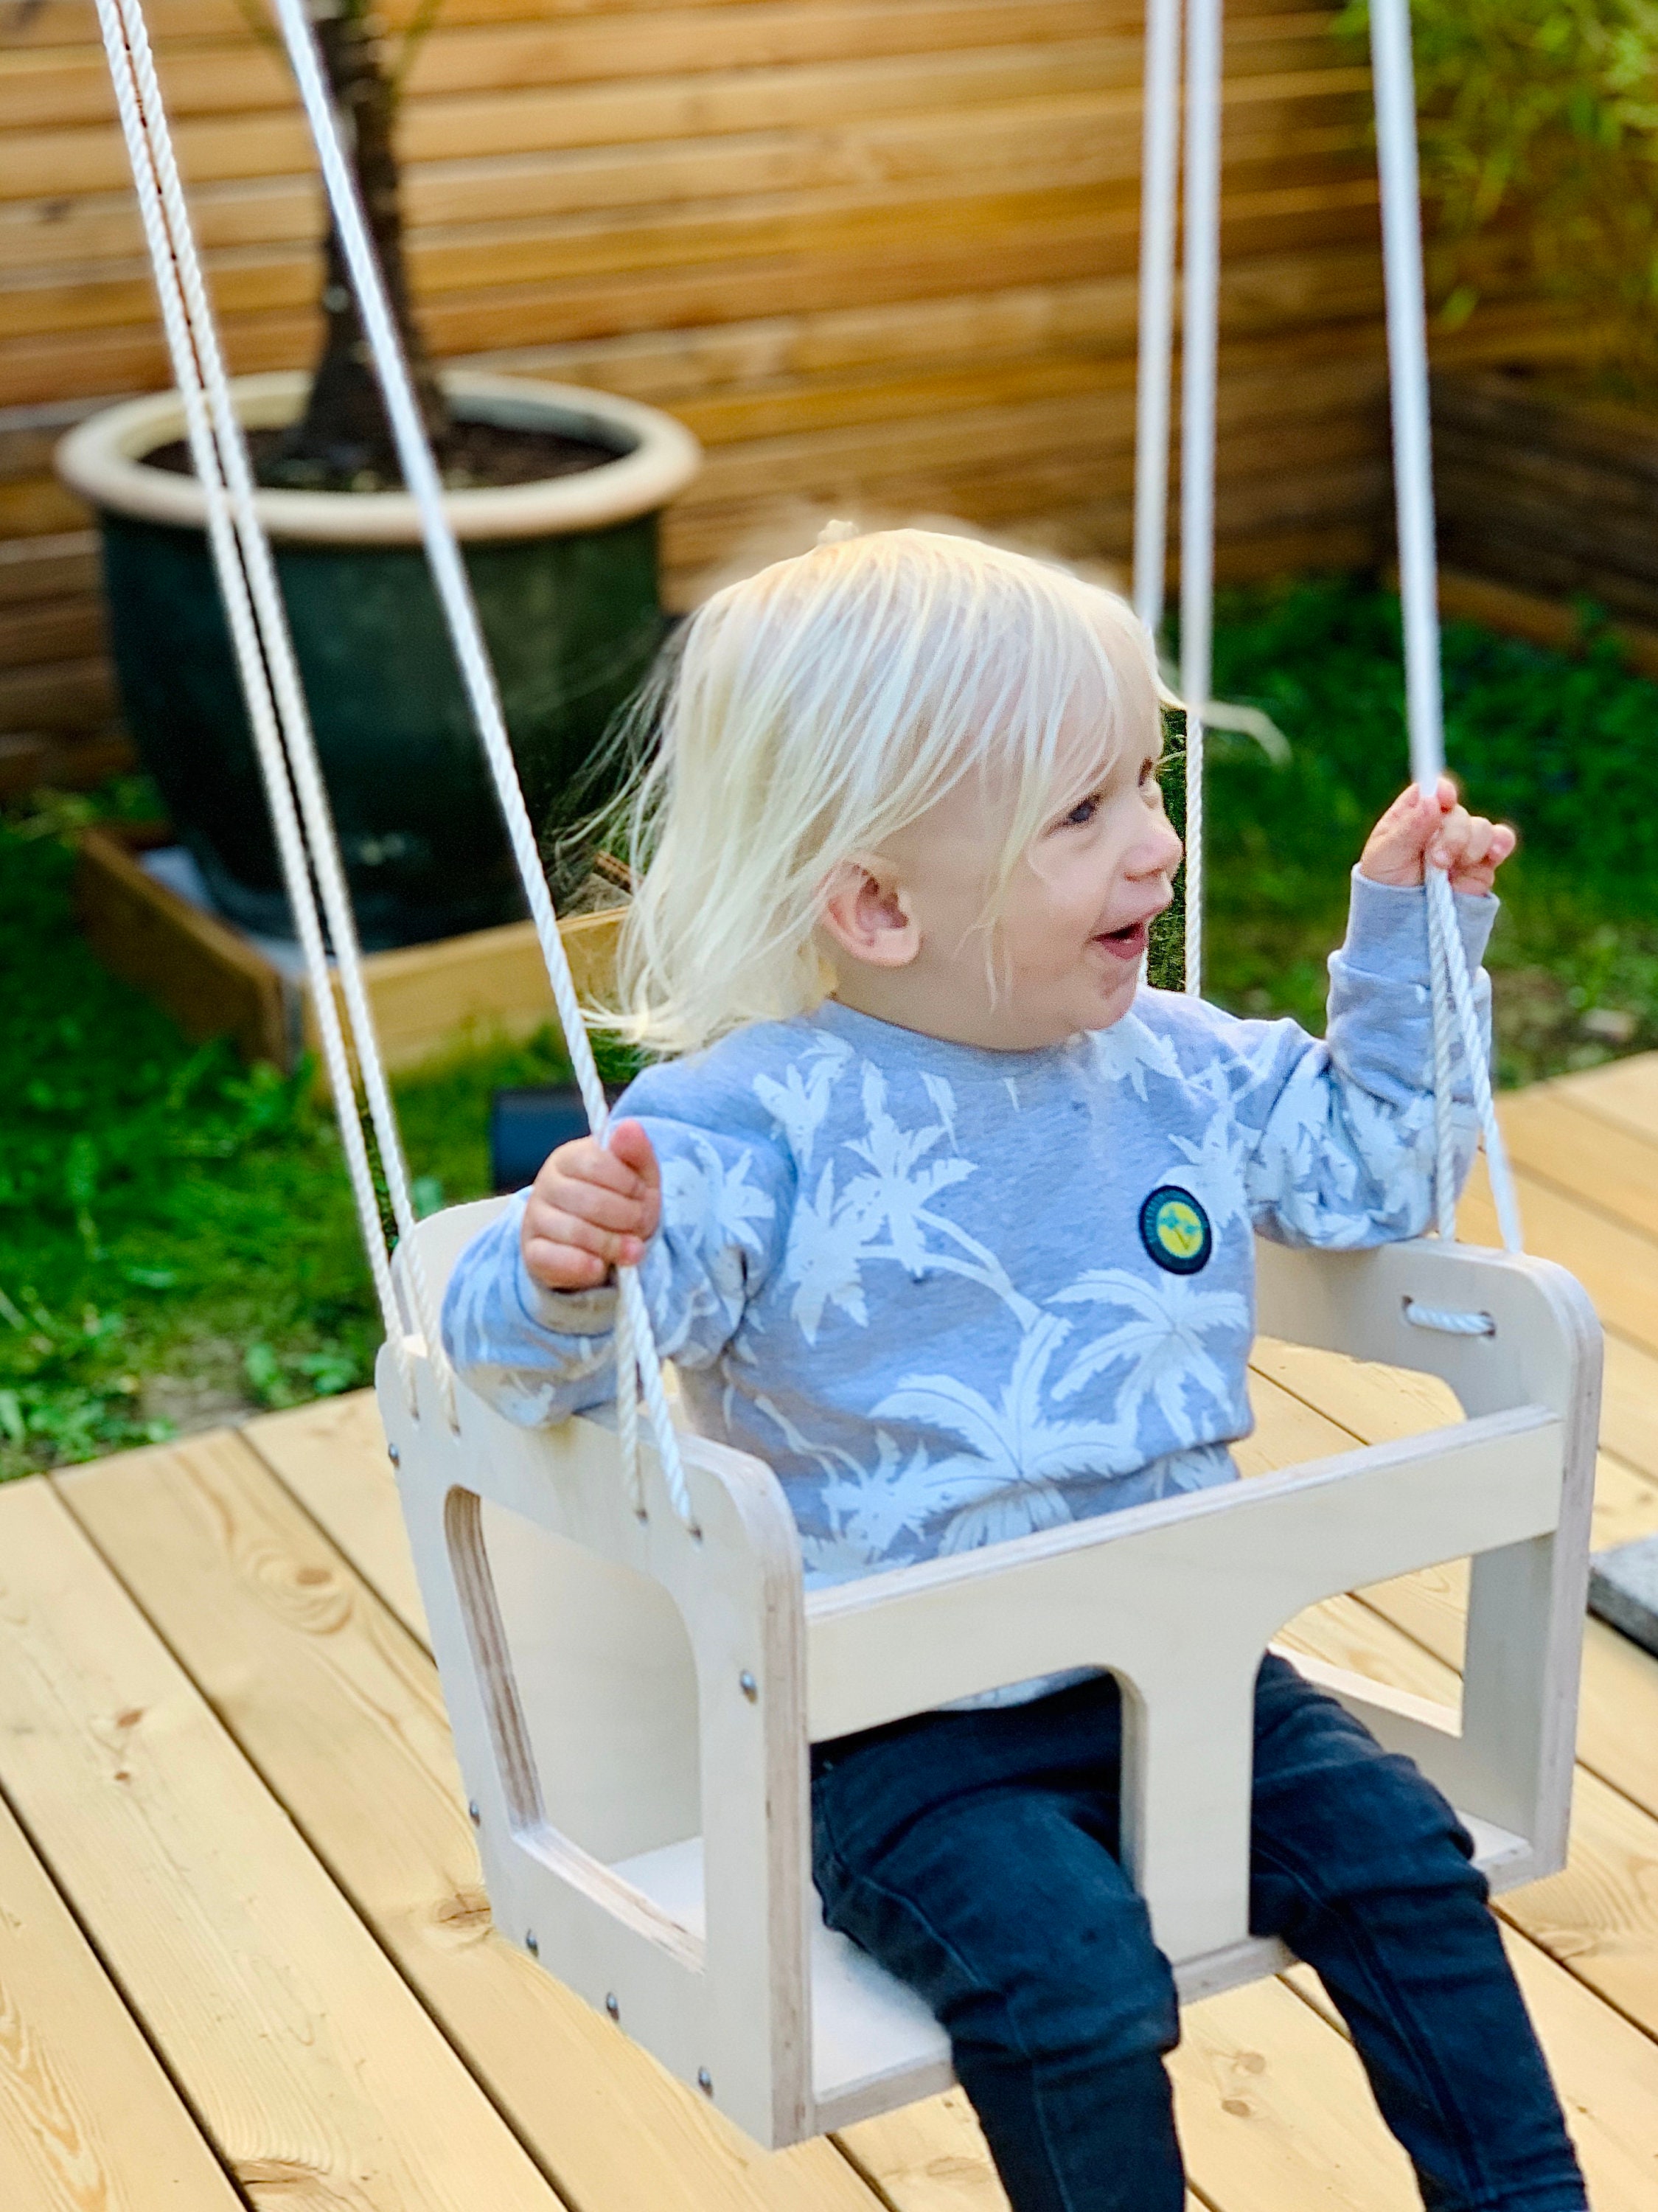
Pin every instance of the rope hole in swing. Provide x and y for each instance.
(1447, 1320)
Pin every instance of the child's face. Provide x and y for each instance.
(908, 941)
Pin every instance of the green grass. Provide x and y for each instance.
(177, 1238)
(177, 1242)
(1563, 745)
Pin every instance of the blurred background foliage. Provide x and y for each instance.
(1538, 135)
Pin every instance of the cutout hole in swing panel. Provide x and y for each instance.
(1310, 1403)
(606, 1685)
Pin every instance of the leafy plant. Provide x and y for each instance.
(1538, 134)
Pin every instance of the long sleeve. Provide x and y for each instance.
(1339, 1134)
(539, 1355)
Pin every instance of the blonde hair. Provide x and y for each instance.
(807, 714)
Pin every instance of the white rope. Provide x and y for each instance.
(292, 719)
(1199, 340)
(1444, 1065)
(1407, 368)
(636, 1342)
(145, 128)
(1159, 178)
(1449, 1320)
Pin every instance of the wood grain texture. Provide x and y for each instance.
(317, 2077)
(331, 1456)
(88, 2121)
(340, 1711)
(203, 972)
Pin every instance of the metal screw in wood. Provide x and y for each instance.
(749, 1687)
(612, 2006)
(531, 1944)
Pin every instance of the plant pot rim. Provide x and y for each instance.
(102, 460)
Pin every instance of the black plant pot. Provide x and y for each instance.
(565, 572)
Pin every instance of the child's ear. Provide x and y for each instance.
(865, 909)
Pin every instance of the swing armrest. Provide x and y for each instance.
(1542, 1345)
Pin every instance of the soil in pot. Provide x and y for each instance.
(478, 457)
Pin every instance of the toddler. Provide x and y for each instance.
(942, 1212)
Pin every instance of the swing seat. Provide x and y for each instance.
(633, 1698)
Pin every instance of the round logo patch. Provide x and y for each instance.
(1175, 1229)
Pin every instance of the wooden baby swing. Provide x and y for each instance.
(632, 1667)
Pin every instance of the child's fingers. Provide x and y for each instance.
(585, 1160)
(628, 1213)
(553, 1225)
(629, 1145)
(1392, 852)
(561, 1266)
(1461, 840)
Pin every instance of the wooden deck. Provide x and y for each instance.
(244, 1952)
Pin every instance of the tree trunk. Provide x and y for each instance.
(343, 440)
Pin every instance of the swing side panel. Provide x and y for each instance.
(711, 1628)
(1523, 1651)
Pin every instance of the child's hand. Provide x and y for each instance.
(1441, 833)
(592, 1208)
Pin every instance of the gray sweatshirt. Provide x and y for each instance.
(951, 1295)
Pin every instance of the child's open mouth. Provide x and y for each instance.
(1127, 943)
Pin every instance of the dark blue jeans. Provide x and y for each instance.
(973, 1855)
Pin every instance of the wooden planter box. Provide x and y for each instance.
(215, 981)
(1548, 493)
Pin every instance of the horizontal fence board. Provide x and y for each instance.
(68, 86)
(57, 695)
(233, 76)
(37, 506)
(801, 229)
(47, 567)
(38, 163)
(50, 629)
(1083, 139)
(172, 22)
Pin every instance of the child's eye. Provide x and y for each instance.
(1082, 813)
(1149, 768)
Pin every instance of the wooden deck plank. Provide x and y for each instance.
(1624, 1090)
(312, 2069)
(1305, 2132)
(339, 1710)
(88, 2121)
(1558, 1137)
(306, 1448)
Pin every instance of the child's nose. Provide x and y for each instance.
(1160, 853)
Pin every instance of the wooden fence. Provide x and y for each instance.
(878, 254)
